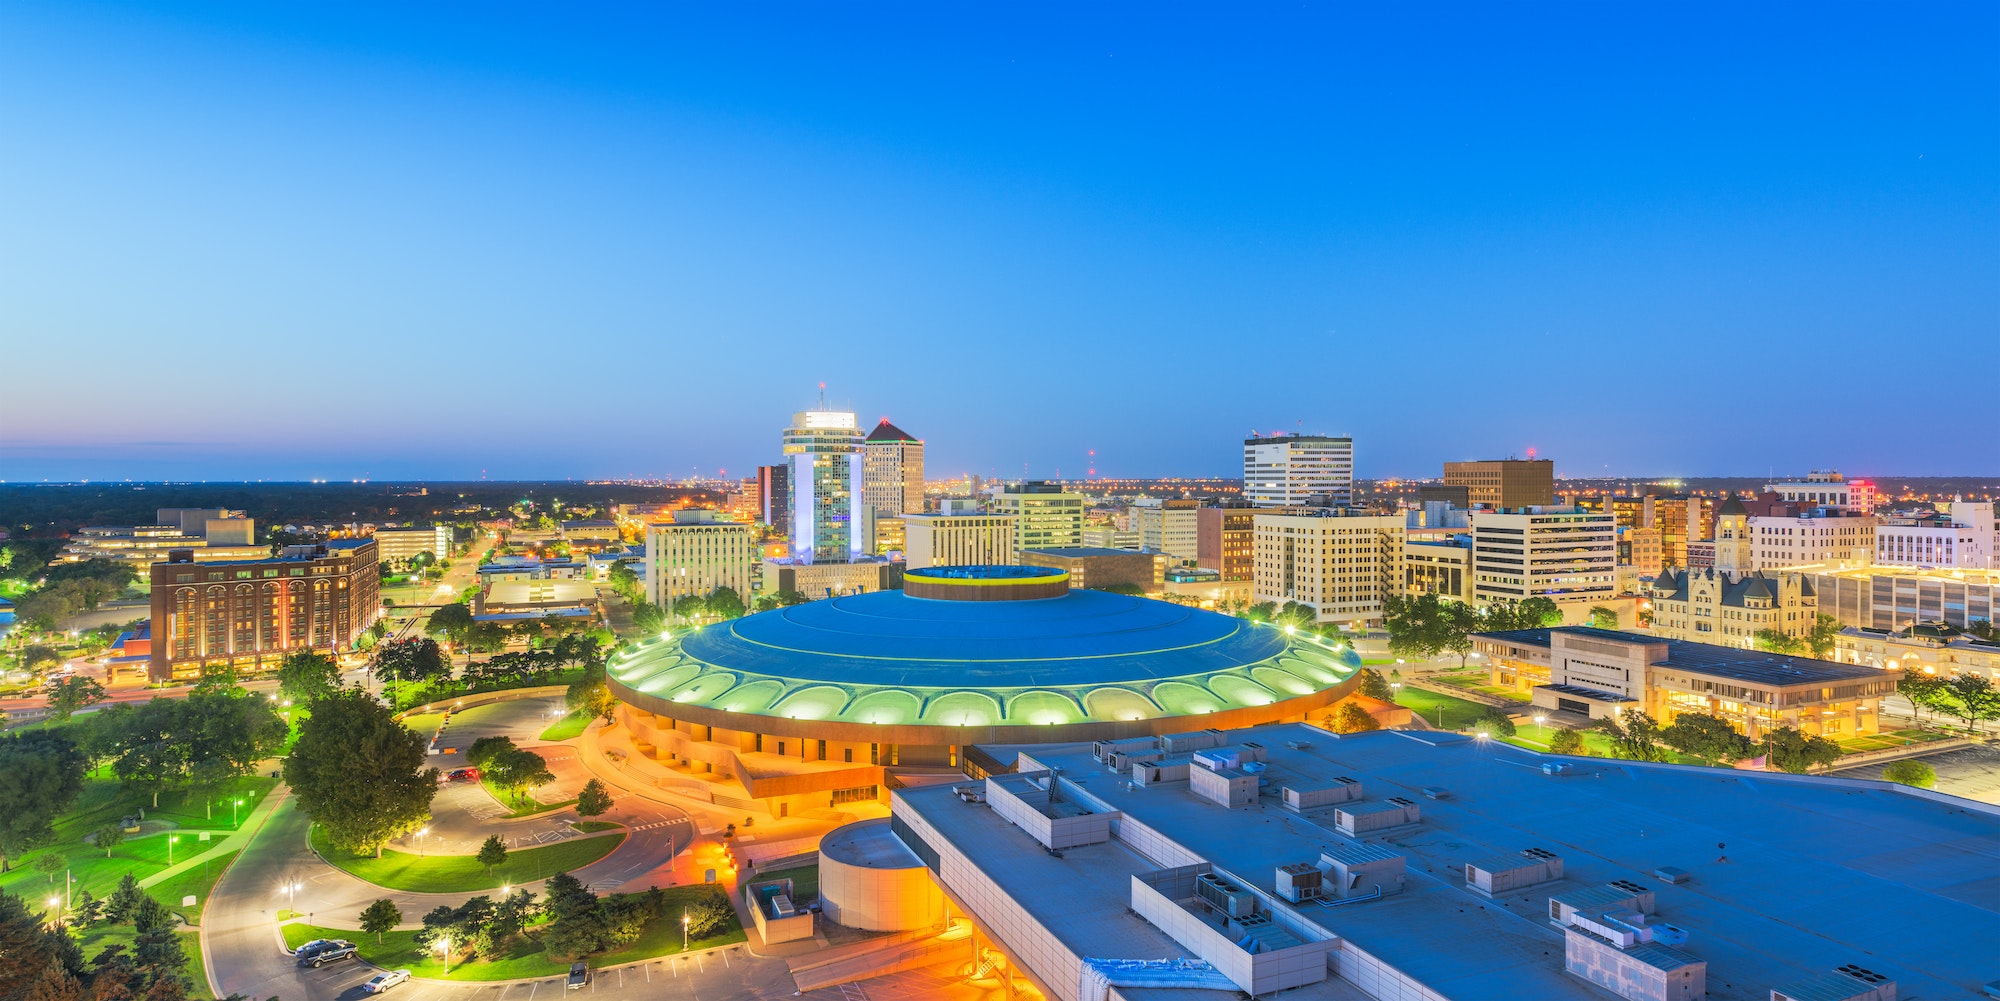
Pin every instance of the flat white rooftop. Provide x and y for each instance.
(1792, 876)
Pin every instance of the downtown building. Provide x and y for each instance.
(1499, 483)
(892, 472)
(1961, 536)
(831, 525)
(1565, 554)
(698, 552)
(956, 540)
(1171, 527)
(1342, 565)
(1045, 515)
(1296, 470)
(401, 545)
(248, 614)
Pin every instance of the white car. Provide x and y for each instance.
(386, 979)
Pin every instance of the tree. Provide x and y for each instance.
(1537, 613)
(1494, 722)
(409, 660)
(1635, 736)
(1925, 691)
(1375, 686)
(1603, 616)
(1794, 751)
(108, 837)
(492, 852)
(1707, 737)
(39, 655)
(709, 914)
(41, 776)
(647, 617)
(725, 603)
(50, 863)
(1911, 772)
(1969, 697)
(485, 749)
(150, 757)
(70, 694)
(453, 622)
(1984, 630)
(307, 675)
(35, 953)
(1566, 742)
(380, 917)
(359, 773)
(1819, 640)
(1351, 718)
(517, 771)
(594, 800)
(1774, 641)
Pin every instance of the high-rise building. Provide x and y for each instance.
(400, 545)
(829, 521)
(1342, 565)
(1047, 517)
(1681, 519)
(1172, 528)
(248, 614)
(774, 496)
(698, 552)
(1564, 554)
(1292, 470)
(1504, 482)
(1225, 541)
(952, 540)
(893, 481)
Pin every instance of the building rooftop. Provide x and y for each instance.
(1755, 666)
(886, 431)
(1791, 875)
(1085, 552)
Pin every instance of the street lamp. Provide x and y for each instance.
(444, 949)
(171, 838)
(55, 904)
(233, 804)
(420, 840)
(684, 929)
(1538, 725)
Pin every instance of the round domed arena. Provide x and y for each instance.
(962, 655)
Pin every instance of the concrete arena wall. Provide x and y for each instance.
(922, 735)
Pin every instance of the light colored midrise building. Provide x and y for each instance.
(1343, 565)
(1290, 470)
(1046, 517)
(1716, 606)
(400, 545)
(698, 552)
(1961, 536)
(954, 540)
(893, 474)
(1172, 528)
(1504, 482)
(1565, 554)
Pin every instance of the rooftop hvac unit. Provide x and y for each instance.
(1671, 874)
(1846, 983)
(1299, 745)
(1299, 881)
(1224, 896)
(1556, 768)
(1436, 792)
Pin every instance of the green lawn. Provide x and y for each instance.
(424, 723)
(95, 939)
(569, 726)
(1477, 683)
(593, 826)
(525, 958)
(805, 881)
(198, 881)
(1535, 737)
(433, 873)
(90, 870)
(523, 806)
(1458, 713)
(1888, 739)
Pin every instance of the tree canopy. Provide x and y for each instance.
(1707, 737)
(306, 675)
(1635, 736)
(1795, 751)
(359, 773)
(41, 776)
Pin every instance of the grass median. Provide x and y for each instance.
(568, 727)
(524, 957)
(433, 873)
(1457, 713)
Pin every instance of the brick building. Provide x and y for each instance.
(247, 614)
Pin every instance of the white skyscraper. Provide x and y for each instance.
(1289, 470)
(829, 520)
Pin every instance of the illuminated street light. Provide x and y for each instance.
(684, 929)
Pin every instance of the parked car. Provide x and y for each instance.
(462, 775)
(579, 975)
(324, 951)
(313, 946)
(386, 979)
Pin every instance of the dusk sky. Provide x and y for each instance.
(548, 241)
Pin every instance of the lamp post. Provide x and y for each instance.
(55, 904)
(1540, 730)
(171, 838)
(420, 840)
(233, 805)
(685, 920)
(444, 949)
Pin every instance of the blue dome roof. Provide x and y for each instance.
(889, 638)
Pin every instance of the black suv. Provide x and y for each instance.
(324, 951)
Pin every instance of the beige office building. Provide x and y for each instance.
(1341, 565)
(1567, 555)
(953, 540)
(1172, 528)
(1778, 541)
(698, 552)
(1046, 517)
(892, 479)
(1441, 566)
(400, 545)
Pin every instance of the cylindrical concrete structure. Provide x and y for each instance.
(870, 880)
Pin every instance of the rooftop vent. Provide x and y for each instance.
(1436, 792)
(1845, 983)
(1299, 881)
(1671, 874)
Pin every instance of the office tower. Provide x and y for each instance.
(1171, 528)
(774, 496)
(1291, 470)
(1341, 565)
(1504, 482)
(1224, 541)
(953, 540)
(247, 614)
(1564, 554)
(698, 552)
(1047, 518)
(829, 522)
(893, 481)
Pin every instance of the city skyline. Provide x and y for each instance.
(1414, 227)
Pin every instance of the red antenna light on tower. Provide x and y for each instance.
(1531, 455)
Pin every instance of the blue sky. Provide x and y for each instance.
(434, 241)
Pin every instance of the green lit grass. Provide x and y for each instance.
(90, 870)
(569, 726)
(1888, 739)
(95, 940)
(433, 873)
(1457, 713)
(524, 958)
(523, 806)
(196, 880)
(593, 826)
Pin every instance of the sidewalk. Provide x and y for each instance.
(236, 841)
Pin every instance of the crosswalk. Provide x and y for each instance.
(659, 823)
